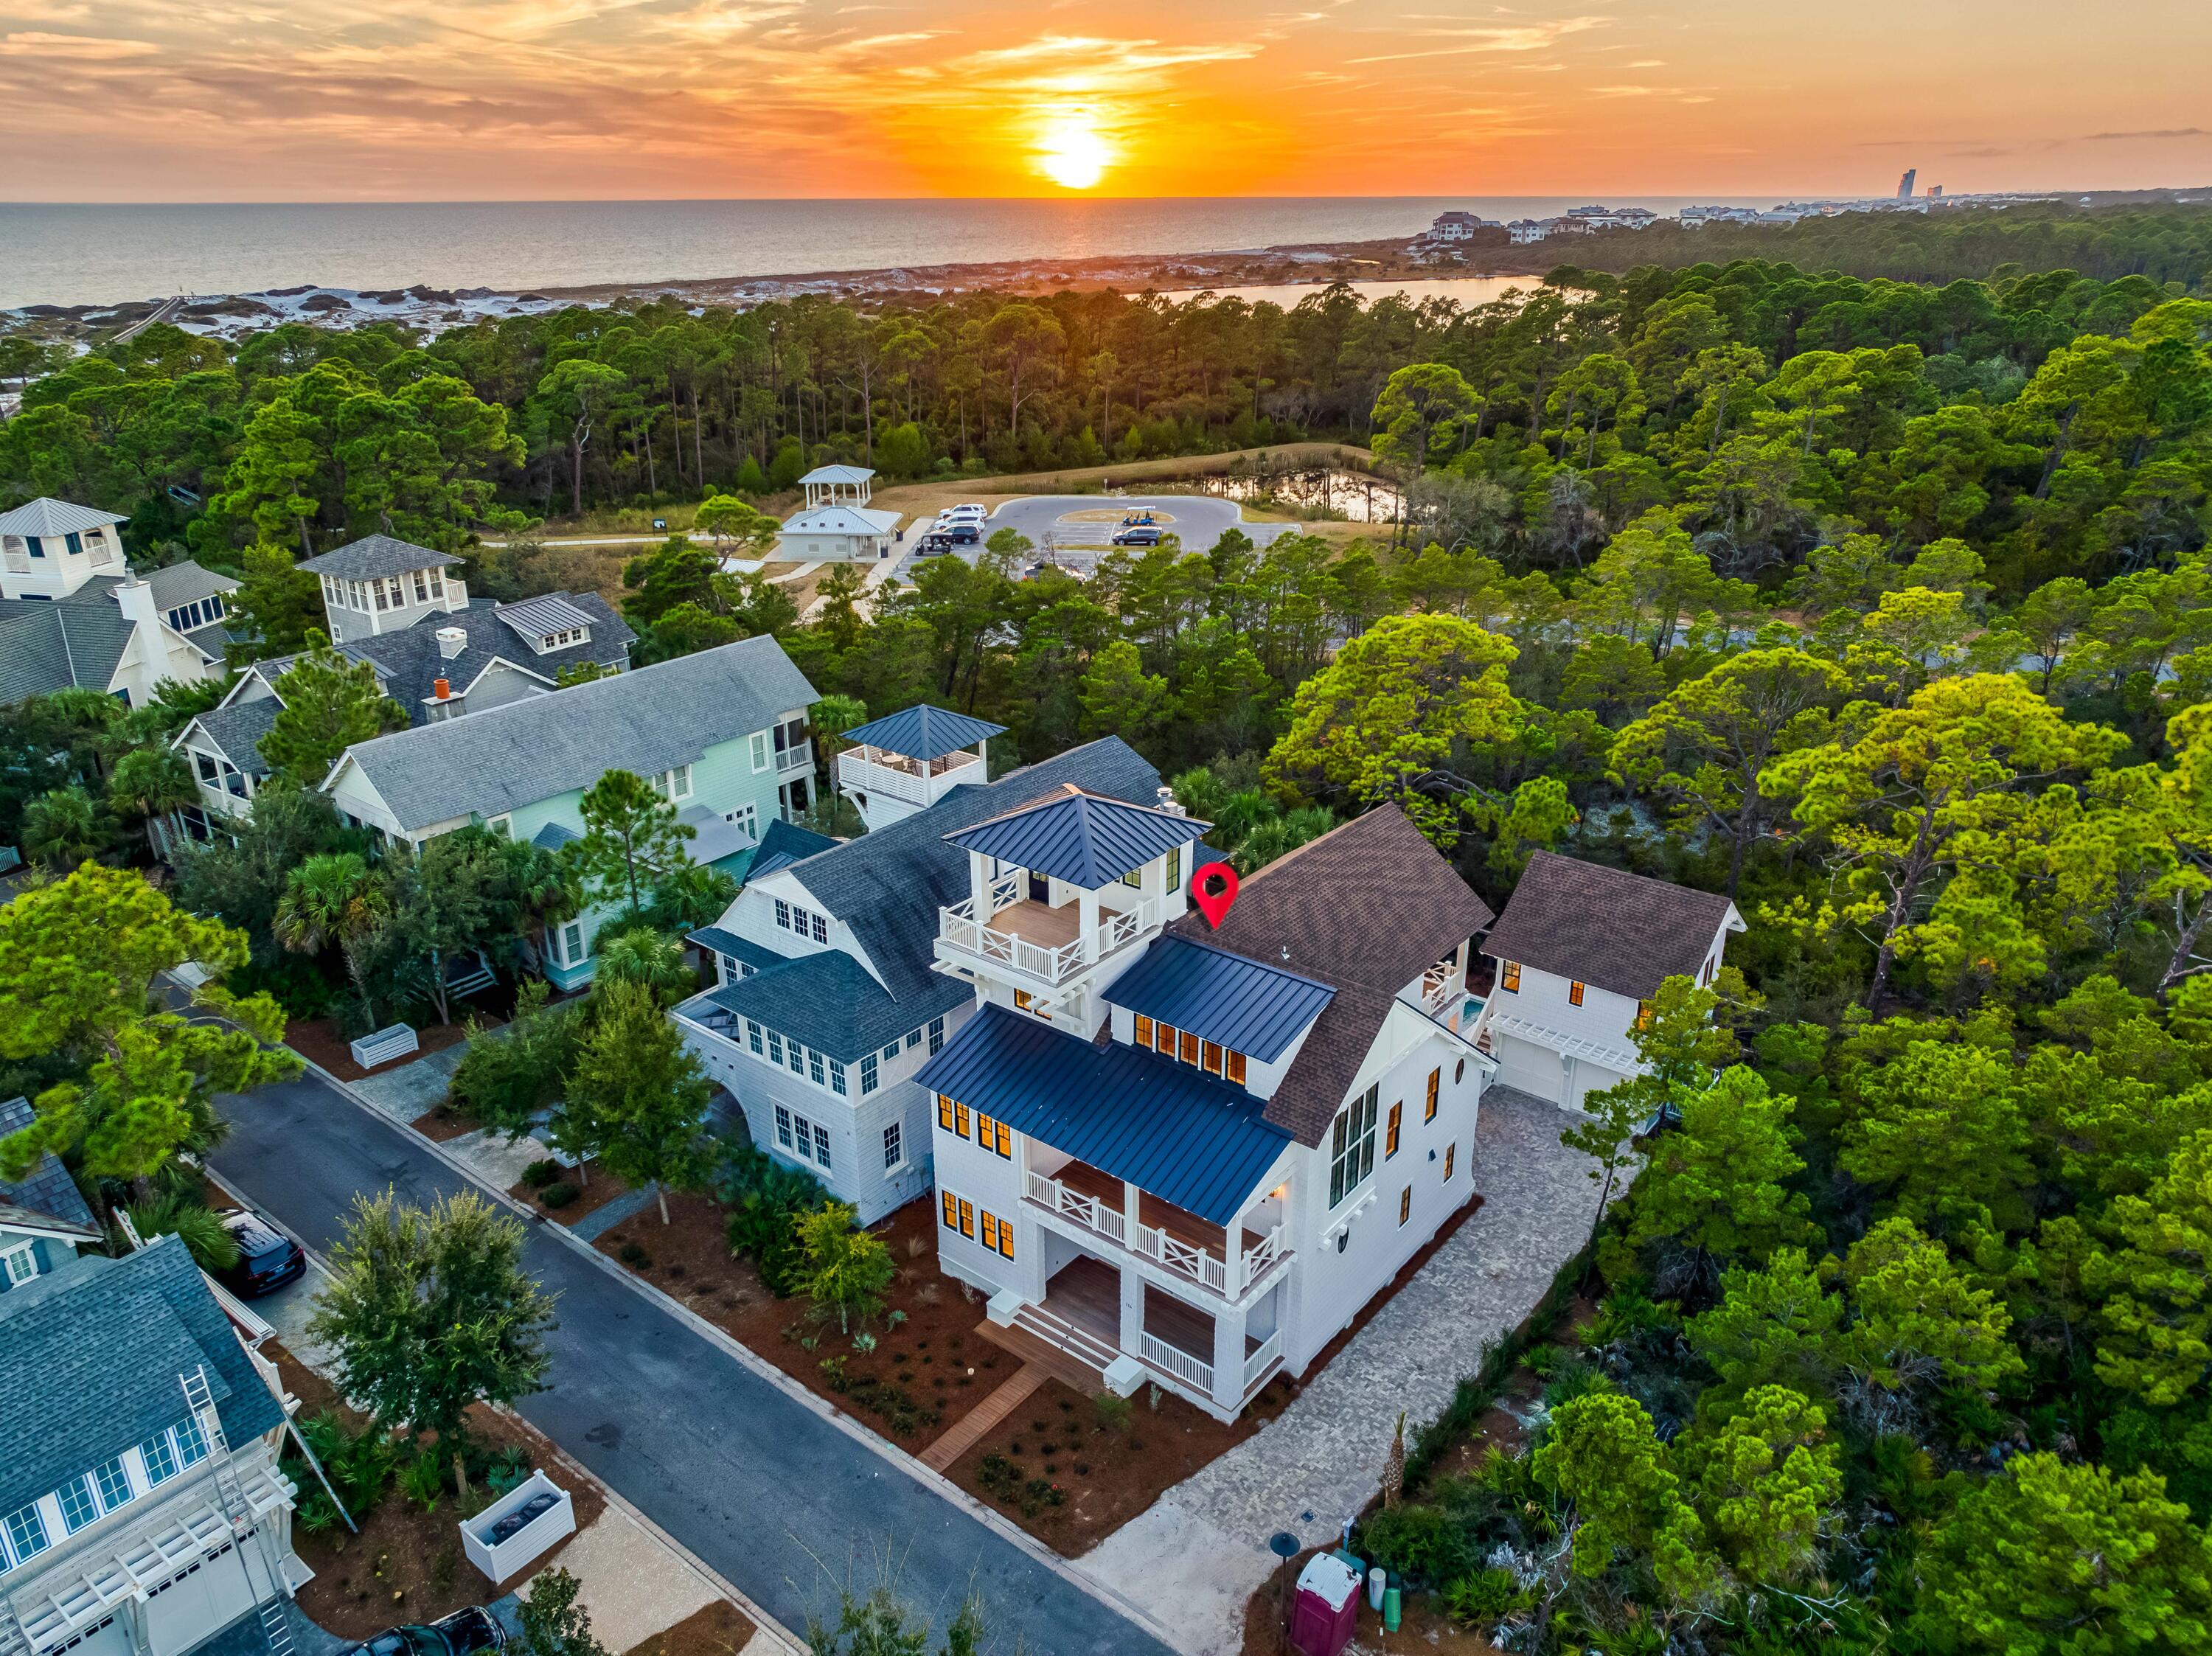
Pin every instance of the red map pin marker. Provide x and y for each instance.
(1213, 888)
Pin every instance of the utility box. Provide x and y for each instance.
(518, 1527)
(1326, 1610)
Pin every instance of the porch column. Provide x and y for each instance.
(979, 887)
(1229, 1357)
(1133, 1213)
(1232, 1253)
(1132, 1309)
(1086, 912)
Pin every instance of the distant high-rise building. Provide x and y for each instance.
(1934, 192)
(1905, 184)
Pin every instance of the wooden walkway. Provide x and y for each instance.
(965, 1433)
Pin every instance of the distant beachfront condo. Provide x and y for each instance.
(838, 525)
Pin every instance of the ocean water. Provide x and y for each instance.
(104, 255)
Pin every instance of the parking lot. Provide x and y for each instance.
(1075, 531)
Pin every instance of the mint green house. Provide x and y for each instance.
(723, 733)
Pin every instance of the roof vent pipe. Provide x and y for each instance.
(452, 640)
(1167, 803)
(443, 689)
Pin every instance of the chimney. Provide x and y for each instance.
(1167, 803)
(137, 599)
(443, 690)
(452, 640)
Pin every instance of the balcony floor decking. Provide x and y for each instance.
(1039, 923)
(1179, 1223)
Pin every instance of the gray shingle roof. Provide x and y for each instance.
(410, 662)
(1245, 1005)
(53, 645)
(376, 555)
(1087, 841)
(186, 583)
(829, 1002)
(1366, 908)
(888, 885)
(1605, 925)
(1175, 1130)
(94, 1354)
(236, 730)
(647, 721)
(47, 516)
(47, 1188)
(784, 843)
(924, 732)
(714, 939)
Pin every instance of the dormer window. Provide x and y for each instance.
(1185, 1047)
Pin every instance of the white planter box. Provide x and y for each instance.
(500, 1560)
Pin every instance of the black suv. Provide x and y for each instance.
(267, 1258)
(461, 1633)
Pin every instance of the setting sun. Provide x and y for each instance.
(1071, 152)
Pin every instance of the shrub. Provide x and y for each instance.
(422, 1480)
(1114, 1413)
(631, 1253)
(1421, 1543)
(998, 1476)
(506, 1469)
(764, 1199)
(559, 1194)
(1479, 1598)
(541, 1173)
(846, 1269)
(1041, 1492)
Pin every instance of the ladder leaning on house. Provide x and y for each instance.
(274, 1624)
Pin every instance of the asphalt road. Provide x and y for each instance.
(765, 1490)
(1198, 520)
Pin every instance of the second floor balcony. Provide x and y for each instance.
(1030, 937)
(1172, 1237)
(878, 772)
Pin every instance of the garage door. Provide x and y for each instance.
(204, 1597)
(109, 1638)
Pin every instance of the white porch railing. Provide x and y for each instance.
(1194, 1263)
(1086, 1211)
(1436, 991)
(1263, 1257)
(959, 927)
(1176, 1361)
(799, 758)
(1256, 1364)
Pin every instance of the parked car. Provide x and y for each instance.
(1138, 518)
(458, 1635)
(962, 514)
(1138, 537)
(267, 1258)
(965, 533)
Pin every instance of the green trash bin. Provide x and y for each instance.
(1392, 1609)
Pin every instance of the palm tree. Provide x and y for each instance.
(544, 891)
(199, 1228)
(330, 899)
(63, 829)
(150, 782)
(642, 955)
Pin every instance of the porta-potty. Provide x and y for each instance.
(1327, 1608)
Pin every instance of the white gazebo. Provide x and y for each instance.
(838, 525)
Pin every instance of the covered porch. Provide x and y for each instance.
(1174, 1237)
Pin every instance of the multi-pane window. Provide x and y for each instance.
(775, 1047)
(892, 1051)
(793, 1057)
(820, 929)
(1143, 1030)
(1451, 1154)
(27, 1533)
(78, 1507)
(677, 783)
(746, 819)
(914, 1037)
(783, 914)
(21, 1262)
(836, 1077)
(894, 1152)
(1508, 977)
(1405, 1205)
(759, 741)
(814, 1066)
(160, 1459)
(783, 1126)
(1574, 994)
(802, 1134)
(822, 1144)
(1175, 869)
(1390, 1129)
(753, 1035)
(1352, 1146)
(191, 1445)
(572, 944)
(936, 1034)
(991, 1134)
(868, 1073)
(1435, 1080)
(113, 1483)
(1187, 1047)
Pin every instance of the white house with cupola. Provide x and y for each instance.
(837, 524)
(379, 584)
(1575, 961)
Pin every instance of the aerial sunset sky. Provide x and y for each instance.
(473, 100)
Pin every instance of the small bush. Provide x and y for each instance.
(1114, 1413)
(507, 1470)
(1041, 1492)
(559, 1194)
(422, 1480)
(998, 1476)
(1420, 1543)
(541, 1173)
(1479, 1598)
(631, 1254)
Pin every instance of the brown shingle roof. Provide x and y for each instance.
(1366, 908)
(1604, 925)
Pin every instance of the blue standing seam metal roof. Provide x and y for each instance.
(47, 1188)
(924, 732)
(96, 1353)
(1200, 1143)
(1252, 1008)
(1083, 839)
(828, 1002)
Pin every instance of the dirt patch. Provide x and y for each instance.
(925, 1371)
(1071, 1480)
(319, 1040)
(406, 1565)
(590, 1198)
(719, 1629)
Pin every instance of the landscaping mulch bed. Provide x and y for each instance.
(406, 1565)
(442, 1123)
(935, 1357)
(590, 1198)
(719, 1629)
(1104, 1477)
(319, 1039)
